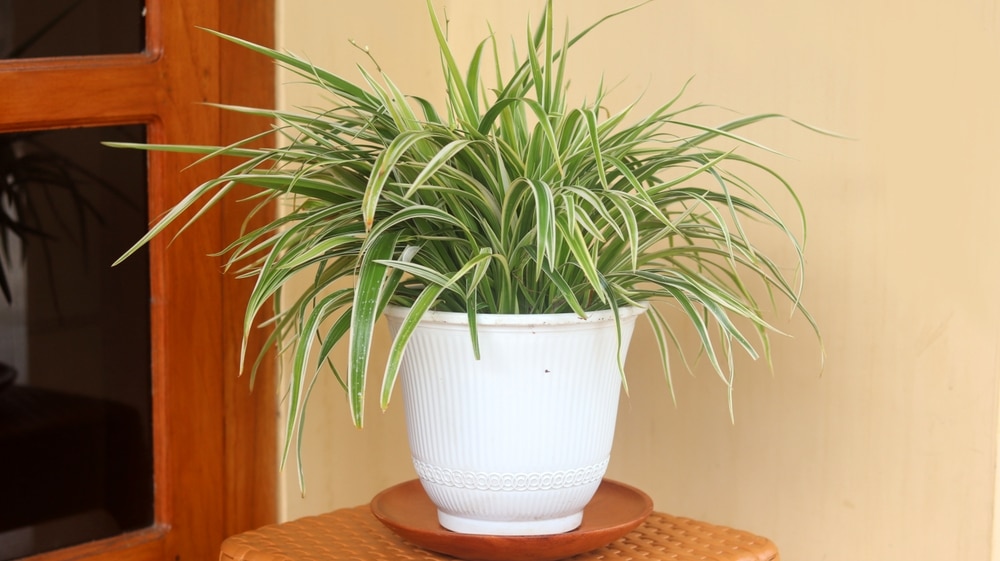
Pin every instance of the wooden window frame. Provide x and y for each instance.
(214, 440)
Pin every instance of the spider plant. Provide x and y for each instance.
(505, 200)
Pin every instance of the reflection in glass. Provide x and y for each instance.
(75, 402)
(51, 28)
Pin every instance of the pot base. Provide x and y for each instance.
(615, 511)
(463, 525)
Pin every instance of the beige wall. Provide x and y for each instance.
(890, 453)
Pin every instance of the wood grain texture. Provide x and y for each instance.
(250, 437)
(186, 290)
(53, 93)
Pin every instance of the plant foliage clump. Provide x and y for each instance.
(505, 201)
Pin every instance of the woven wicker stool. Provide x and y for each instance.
(353, 533)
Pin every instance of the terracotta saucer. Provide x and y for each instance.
(615, 510)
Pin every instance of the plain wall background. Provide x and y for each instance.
(890, 453)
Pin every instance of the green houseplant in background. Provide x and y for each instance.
(505, 201)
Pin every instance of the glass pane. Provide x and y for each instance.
(47, 28)
(75, 399)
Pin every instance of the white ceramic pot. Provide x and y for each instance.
(515, 443)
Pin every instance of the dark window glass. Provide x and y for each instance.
(49, 28)
(75, 398)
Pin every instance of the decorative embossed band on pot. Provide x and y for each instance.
(515, 443)
(510, 481)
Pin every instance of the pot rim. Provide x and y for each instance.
(567, 318)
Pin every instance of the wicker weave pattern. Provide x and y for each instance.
(353, 533)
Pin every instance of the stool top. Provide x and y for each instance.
(353, 533)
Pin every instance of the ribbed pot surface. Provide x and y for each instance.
(515, 443)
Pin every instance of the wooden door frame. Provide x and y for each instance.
(214, 441)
